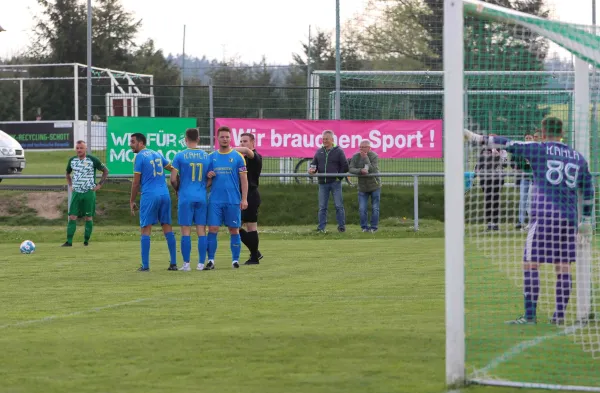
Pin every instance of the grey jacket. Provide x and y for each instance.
(332, 161)
(366, 183)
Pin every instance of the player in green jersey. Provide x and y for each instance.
(81, 176)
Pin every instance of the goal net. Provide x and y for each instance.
(522, 273)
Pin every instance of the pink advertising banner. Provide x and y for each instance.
(301, 138)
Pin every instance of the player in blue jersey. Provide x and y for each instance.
(155, 203)
(190, 180)
(228, 196)
(559, 174)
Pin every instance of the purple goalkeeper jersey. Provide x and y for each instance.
(559, 173)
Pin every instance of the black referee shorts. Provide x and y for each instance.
(251, 213)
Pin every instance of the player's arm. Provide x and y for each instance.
(175, 174)
(523, 149)
(135, 185)
(244, 150)
(68, 174)
(99, 165)
(244, 184)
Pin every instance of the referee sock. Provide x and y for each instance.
(145, 246)
(211, 242)
(172, 244)
(236, 247)
(202, 249)
(71, 228)
(186, 248)
(253, 244)
(531, 292)
(244, 237)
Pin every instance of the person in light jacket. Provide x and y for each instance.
(363, 163)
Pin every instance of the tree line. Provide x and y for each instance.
(397, 35)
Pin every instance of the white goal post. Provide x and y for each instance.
(454, 123)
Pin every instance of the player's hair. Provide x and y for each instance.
(249, 135)
(139, 137)
(223, 129)
(81, 142)
(192, 134)
(553, 126)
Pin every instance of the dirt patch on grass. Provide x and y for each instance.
(46, 204)
(5, 207)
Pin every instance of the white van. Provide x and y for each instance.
(12, 155)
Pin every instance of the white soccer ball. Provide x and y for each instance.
(27, 247)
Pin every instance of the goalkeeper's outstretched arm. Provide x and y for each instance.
(523, 149)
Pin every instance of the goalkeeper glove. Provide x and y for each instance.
(584, 232)
(472, 137)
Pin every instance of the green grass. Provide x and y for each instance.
(345, 313)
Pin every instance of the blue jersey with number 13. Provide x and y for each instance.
(151, 166)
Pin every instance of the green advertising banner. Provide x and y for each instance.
(164, 135)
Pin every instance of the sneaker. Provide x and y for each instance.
(321, 230)
(251, 262)
(521, 321)
(260, 256)
(235, 264)
(173, 267)
(366, 230)
(341, 229)
(200, 266)
(143, 269)
(67, 244)
(557, 321)
(210, 265)
(373, 230)
(518, 226)
(86, 244)
(186, 267)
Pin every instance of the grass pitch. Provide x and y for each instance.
(320, 314)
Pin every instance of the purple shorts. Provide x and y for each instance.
(551, 240)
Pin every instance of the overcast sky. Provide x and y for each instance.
(228, 28)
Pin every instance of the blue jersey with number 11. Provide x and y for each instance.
(192, 166)
(559, 174)
(151, 166)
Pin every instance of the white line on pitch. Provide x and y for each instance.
(53, 317)
(522, 347)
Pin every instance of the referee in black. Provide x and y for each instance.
(249, 235)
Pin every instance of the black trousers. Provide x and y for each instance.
(491, 194)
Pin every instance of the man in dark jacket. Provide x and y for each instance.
(330, 159)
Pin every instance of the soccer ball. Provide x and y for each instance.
(27, 247)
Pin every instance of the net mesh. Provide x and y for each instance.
(532, 288)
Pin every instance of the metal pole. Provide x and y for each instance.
(76, 91)
(21, 98)
(308, 92)
(337, 61)
(211, 114)
(416, 202)
(89, 77)
(594, 126)
(182, 77)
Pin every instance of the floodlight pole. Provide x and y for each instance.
(182, 76)
(338, 61)
(89, 78)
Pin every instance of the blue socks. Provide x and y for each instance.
(172, 244)
(145, 246)
(235, 243)
(212, 245)
(186, 248)
(531, 292)
(202, 244)
(563, 293)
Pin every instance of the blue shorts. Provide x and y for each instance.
(551, 240)
(224, 213)
(191, 213)
(155, 209)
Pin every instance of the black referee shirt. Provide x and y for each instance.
(254, 167)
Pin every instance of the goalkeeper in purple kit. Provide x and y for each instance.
(559, 174)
